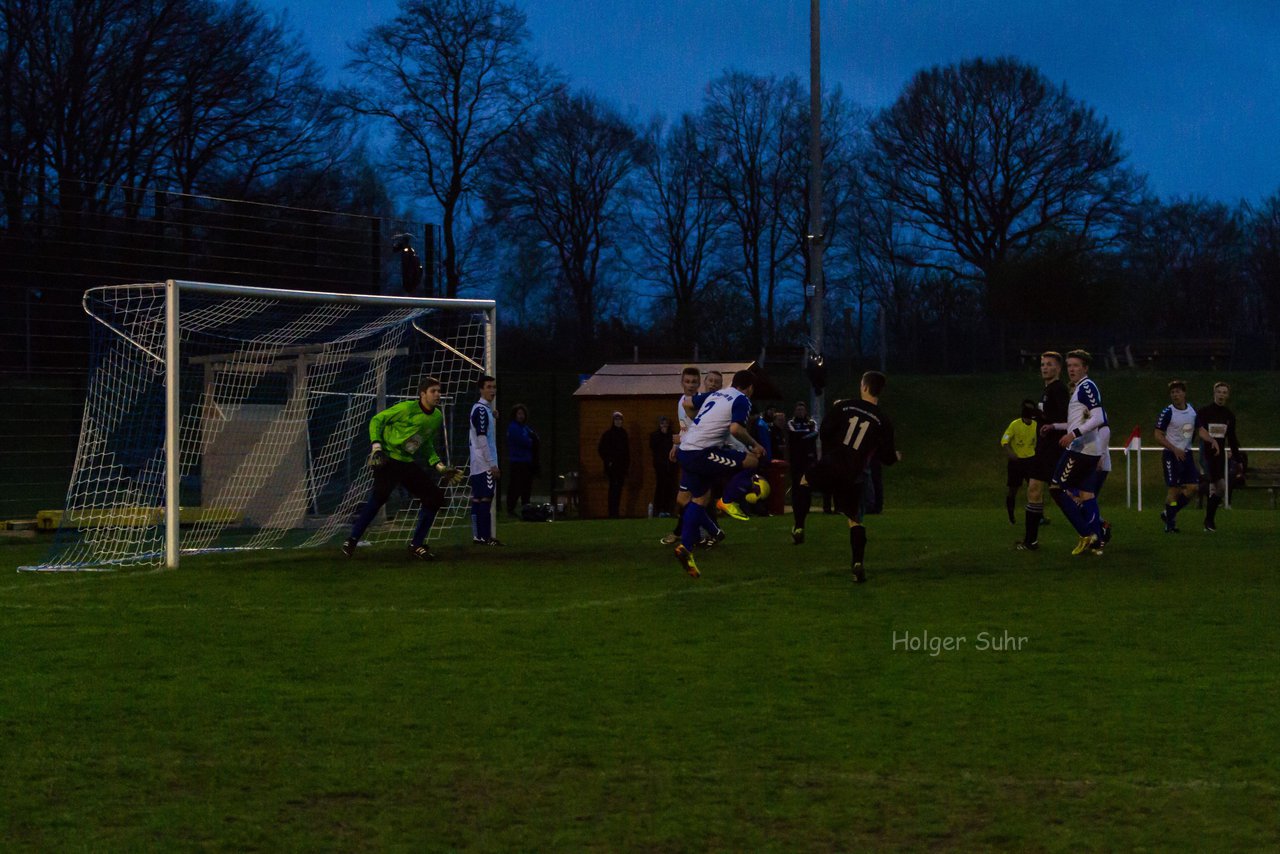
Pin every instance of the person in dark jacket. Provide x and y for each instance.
(615, 450)
(665, 470)
(522, 458)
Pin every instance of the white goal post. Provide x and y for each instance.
(223, 417)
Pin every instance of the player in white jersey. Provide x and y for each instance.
(482, 439)
(690, 382)
(1090, 509)
(714, 382)
(704, 459)
(1081, 448)
(1176, 431)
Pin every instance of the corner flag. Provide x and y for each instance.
(1135, 440)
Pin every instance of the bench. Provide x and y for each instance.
(1163, 351)
(1261, 477)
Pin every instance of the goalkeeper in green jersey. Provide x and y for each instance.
(401, 434)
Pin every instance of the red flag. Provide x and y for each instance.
(1135, 439)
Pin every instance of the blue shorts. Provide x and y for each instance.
(701, 470)
(1180, 473)
(1095, 481)
(1074, 469)
(481, 485)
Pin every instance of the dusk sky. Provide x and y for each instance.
(1193, 86)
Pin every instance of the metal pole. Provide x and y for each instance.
(491, 368)
(172, 450)
(815, 188)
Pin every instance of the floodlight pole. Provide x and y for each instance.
(817, 295)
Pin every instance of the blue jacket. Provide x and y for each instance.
(520, 439)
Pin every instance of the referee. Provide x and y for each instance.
(1019, 443)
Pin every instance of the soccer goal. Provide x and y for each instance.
(266, 396)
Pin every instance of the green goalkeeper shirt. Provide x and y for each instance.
(406, 430)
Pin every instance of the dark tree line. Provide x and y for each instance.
(105, 99)
(986, 203)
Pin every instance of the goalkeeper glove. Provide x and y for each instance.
(378, 458)
(449, 476)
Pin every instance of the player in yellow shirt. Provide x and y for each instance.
(1019, 443)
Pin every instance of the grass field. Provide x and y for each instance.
(575, 691)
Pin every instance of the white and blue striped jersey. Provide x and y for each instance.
(1179, 425)
(1085, 413)
(481, 438)
(710, 427)
(685, 419)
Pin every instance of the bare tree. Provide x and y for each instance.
(562, 179)
(754, 122)
(454, 78)
(844, 143)
(1262, 226)
(248, 104)
(985, 157)
(91, 91)
(676, 217)
(1187, 265)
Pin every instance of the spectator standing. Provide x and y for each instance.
(522, 457)
(615, 451)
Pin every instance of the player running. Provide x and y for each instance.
(854, 432)
(1081, 449)
(704, 459)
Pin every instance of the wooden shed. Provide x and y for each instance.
(642, 392)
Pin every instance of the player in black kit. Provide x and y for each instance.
(1216, 426)
(854, 433)
(1053, 410)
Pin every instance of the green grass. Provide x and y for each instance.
(576, 691)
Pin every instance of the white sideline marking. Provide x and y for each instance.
(688, 588)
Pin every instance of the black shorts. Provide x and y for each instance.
(412, 477)
(1020, 471)
(847, 489)
(1215, 465)
(1046, 458)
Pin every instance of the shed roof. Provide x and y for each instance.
(660, 379)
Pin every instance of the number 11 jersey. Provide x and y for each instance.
(854, 433)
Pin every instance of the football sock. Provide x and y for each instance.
(691, 524)
(1035, 512)
(425, 517)
(736, 489)
(1092, 516)
(1071, 510)
(364, 518)
(858, 542)
(1008, 505)
(801, 501)
(1171, 510)
(1211, 510)
(479, 521)
(679, 521)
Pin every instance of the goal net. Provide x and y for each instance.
(267, 396)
